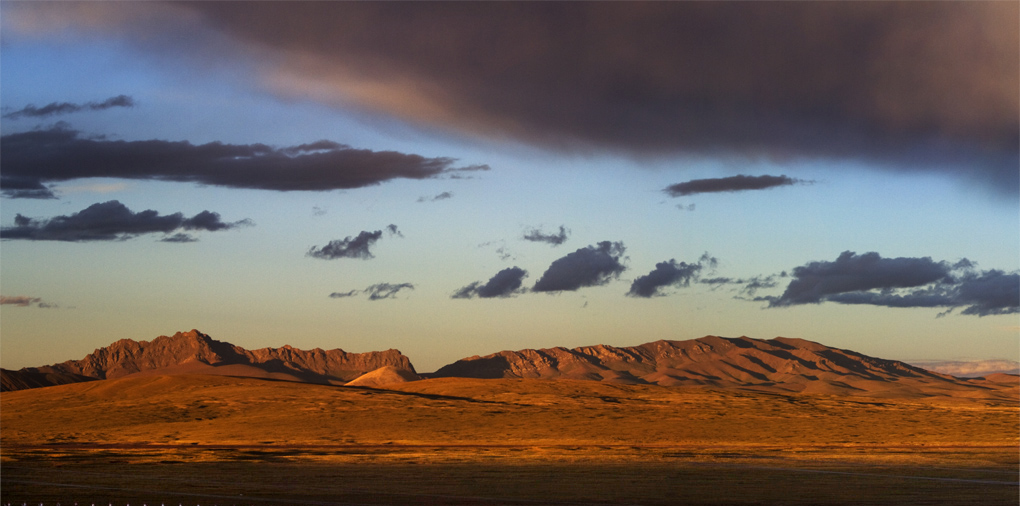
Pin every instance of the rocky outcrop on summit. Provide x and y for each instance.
(195, 352)
(783, 364)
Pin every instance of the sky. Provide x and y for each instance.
(456, 179)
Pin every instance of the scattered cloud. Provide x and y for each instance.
(179, 237)
(750, 286)
(349, 247)
(56, 108)
(352, 247)
(60, 153)
(536, 235)
(853, 273)
(902, 282)
(110, 221)
(588, 266)
(501, 249)
(24, 301)
(729, 184)
(18, 300)
(505, 283)
(378, 291)
(344, 295)
(441, 196)
(318, 211)
(386, 290)
(669, 273)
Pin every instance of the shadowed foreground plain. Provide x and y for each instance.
(220, 440)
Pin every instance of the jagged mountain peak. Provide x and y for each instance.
(196, 352)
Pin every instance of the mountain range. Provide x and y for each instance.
(196, 353)
(780, 365)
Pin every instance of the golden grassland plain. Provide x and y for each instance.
(222, 440)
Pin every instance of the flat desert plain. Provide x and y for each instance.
(198, 439)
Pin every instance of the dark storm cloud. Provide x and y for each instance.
(588, 266)
(67, 108)
(918, 86)
(349, 247)
(902, 282)
(60, 154)
(669, 273)
(728, 184)
(110, 221)
(504, 284)
(536, 235)
(19, 187)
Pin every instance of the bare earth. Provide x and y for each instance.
(198, 439)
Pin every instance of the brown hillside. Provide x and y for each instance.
(195, 352)
(781, 364)
(24, 379)
(187, 409)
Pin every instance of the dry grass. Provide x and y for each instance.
(206, 439)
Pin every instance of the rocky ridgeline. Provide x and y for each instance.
(195, 351)
(792, 364)
(778, 365)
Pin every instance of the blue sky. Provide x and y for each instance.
(862, 176)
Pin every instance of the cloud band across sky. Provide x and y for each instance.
(917, 86)
(60, 154)
(860, 80)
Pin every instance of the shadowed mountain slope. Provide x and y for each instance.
(194, 352)
(792, 365)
